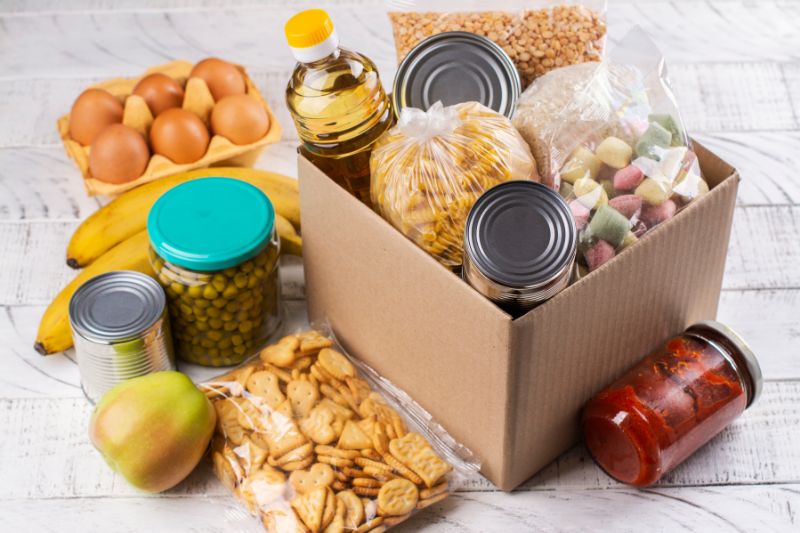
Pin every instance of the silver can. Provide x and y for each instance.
(120, 328)
(520, 243)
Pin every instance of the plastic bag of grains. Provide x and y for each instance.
(538, 35)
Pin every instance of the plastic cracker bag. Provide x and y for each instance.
(429, 169)
(619, 151)
(538, 35)
(309, 439)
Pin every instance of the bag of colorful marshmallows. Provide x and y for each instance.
(611, 136)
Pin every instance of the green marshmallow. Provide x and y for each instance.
(610, 225)
(655, 135)
(667, 121)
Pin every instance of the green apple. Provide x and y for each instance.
(153, 430)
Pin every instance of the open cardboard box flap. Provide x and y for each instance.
(511, 390)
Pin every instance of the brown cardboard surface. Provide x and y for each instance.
(511, 390)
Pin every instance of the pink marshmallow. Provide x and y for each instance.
(628, 178)
(628, 205)
(656, 214)
(599, 253)
(580, 213)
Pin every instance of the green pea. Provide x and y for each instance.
(213, 312)
(230, 291)
(230, 326)
(219, 303)
(247, 267)
(202, 326)
(237, 340)
(215, 323)
(252, 282)
(239, 350)
(195, 291)
(226, 316)
(245, 326)
(210, 293)
(240, 280)
(225, 343)
(185, 309)
(215, 336)
(202, 304)
(219, 282)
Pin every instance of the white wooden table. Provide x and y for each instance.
(736, 69)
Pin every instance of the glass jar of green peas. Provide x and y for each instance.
(214, 249)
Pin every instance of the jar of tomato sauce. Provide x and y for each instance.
(671, 403)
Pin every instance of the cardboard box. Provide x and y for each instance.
(511, 390)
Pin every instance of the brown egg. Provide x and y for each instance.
(179, 135)
(160, 92)
(118, 155)
(240, 118)
(222, 78)
(93, 110)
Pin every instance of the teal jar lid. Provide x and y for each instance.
(210, 223)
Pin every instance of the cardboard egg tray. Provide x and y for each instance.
(197, 99)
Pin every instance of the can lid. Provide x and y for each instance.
(748, 356)
(210, 223)
(116, 306)
(455, 67)
(521, 234)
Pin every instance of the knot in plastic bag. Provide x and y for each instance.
(425, 125)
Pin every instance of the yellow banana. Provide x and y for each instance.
(54, 332)
(127, 214)
(291, 242)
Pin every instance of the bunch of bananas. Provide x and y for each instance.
(115, 238)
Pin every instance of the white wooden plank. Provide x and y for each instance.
(742, 509)
(767, 162)
(49, 437)
(714, 97)
(41, 183)
(56, 44)
(763, 254)
(29, 375)
(768, 320)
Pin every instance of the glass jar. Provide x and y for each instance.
(671, 403)
(214, 249)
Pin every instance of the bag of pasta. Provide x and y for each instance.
(617, 147)
(433, 165)
(311, 440)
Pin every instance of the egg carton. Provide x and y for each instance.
(198, 100)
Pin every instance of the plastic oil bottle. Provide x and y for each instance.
(336, 100)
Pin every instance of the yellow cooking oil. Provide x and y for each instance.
(336, 100)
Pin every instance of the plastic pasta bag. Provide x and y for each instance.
(538, 35)
(617, 148)
(429, 169)
(309, 439)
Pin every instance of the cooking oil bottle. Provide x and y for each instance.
(336, 100)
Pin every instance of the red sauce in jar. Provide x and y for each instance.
(671, 403)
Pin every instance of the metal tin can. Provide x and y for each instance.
(455, 67)
(120, 329)
(520, 244)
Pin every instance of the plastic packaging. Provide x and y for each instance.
(429, 169)
(618, 150)
(312, 440)
(538, 35)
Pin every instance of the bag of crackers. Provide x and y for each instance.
(538, 35)
(311, 440)
(428, 170)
